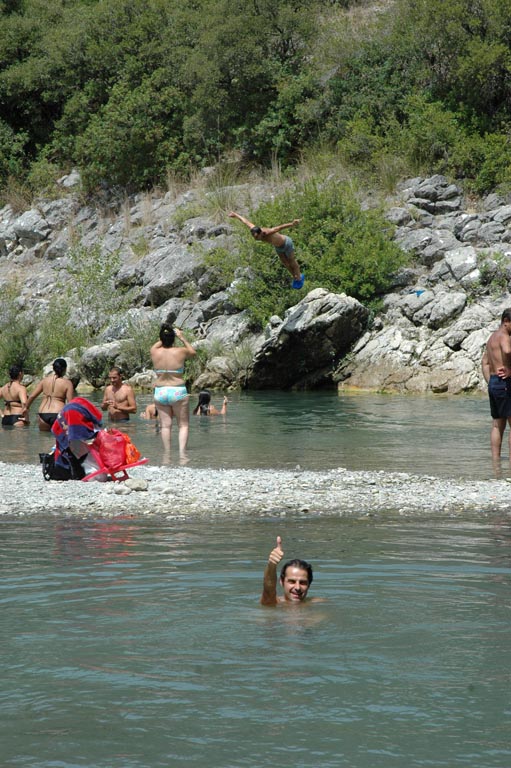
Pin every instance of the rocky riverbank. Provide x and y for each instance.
(181, 493)
(428, 336)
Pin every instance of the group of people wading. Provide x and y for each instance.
(56, 391)
(171, 398)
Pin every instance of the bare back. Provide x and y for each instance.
(11, 393)
(168, 363)
(498, 351)
(56, 391)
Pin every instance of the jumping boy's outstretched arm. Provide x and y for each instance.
(269, 596)
(273, 230)
(234, 215)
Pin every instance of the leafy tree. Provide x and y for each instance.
(12, 147)
(134, 136)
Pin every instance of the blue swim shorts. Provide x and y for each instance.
(169, 395)
(499, 392)
(287, 249)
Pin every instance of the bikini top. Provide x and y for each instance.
(53, 396)
(164, 370)
(11, 402)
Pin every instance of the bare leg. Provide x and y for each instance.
(496, 434)
(291, 265)
(182, 414)
(165, 414)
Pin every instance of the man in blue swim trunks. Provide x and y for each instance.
(282, 243)
(496, 365)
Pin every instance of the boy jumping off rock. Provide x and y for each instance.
(282, 244)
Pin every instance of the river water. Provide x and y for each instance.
(134, 645)
(141, 644)
(440, 436)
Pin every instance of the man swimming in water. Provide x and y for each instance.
(295, 578)
(282, 244)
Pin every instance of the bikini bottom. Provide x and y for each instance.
(48, 418)
(169, 395)
(10, 420)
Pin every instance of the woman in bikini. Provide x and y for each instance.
(170, 394)
(15, 397)
(57, 391)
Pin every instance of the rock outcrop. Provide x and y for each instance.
(302, 350)
(428, 336)
(432, 330)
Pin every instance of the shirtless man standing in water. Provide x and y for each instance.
(295, 579)
(496, 365)
(119, 398)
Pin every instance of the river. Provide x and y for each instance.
(136, 643)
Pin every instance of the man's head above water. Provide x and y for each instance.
(295, 578)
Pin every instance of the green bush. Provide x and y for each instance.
(95, 296)
(132, 139)
(495, 168)
(12, 147)
(56, 332)
(339, 247)
(17, 333)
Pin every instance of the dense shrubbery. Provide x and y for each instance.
(339, 247)
(74, 316)
(128, 89)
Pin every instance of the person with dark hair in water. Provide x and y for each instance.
(204, 407)
(149, 412)
(170, 393)
(295, 579)
(57, 391)
(118, 397)
(15, 397)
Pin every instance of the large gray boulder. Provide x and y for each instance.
(163, 273)
(96, 362)
(305, 347)
(31, 227)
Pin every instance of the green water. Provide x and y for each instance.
(134, 645)
(441, 436)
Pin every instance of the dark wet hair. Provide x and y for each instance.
(506, 315)
(303, 564)
(167, 335)
(59, 366)
(14, 371)
(116, 369)
(256, 230)
(203, 404)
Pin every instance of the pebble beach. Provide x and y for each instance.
(178, 492)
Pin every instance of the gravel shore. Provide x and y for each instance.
(181, 492)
